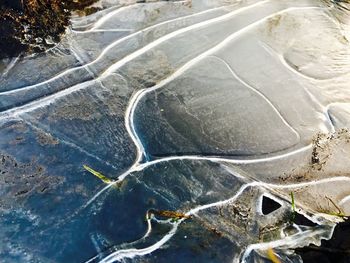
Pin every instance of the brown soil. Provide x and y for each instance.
(28, 26)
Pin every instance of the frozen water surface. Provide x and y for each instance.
(202, 108)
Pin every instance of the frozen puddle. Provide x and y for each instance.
(203, 115)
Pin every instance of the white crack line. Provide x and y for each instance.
(110, 47)
(289, 241)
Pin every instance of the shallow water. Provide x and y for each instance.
(199, 107)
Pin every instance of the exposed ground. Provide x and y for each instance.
(28, 26)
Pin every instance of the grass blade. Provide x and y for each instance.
(98, 175)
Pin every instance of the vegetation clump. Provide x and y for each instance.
(28, 26)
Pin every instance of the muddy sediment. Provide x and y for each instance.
(28, 26)
(19, 180)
